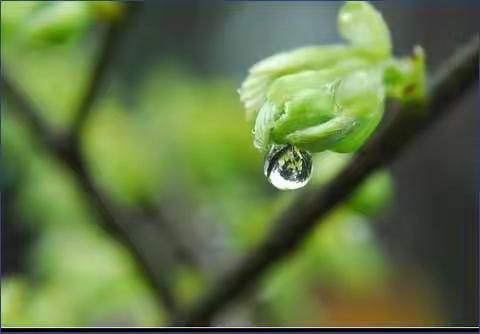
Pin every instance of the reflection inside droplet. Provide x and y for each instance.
(288, 167)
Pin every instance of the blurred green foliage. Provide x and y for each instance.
(182, 135)
(46, 23)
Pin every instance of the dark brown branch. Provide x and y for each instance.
(291, 228)
(67, 150)
(113, 38)
(44, 133)
(73, 160)
(178, 245)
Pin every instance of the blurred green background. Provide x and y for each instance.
(168, 144)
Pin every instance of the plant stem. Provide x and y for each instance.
(66, 148)
(449, 84)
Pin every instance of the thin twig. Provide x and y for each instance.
(113, 37)
(67, 150)
(109, 222)
(179, 247)
(291, 228)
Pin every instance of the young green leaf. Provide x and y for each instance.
(321, 98)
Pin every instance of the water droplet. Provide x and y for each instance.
(287, 167)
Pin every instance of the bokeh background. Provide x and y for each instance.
(168, 144)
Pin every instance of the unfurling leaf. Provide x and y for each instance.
(331, 97)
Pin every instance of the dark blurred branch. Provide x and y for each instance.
(113, 38)
(449, 84)
(46, 135)
(178, 245)
(67, 150)
(72, 158)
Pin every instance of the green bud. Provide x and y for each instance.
(331, 97)
(364, 27)
(405, 78)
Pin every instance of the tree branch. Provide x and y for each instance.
(178, 244)
(109, 222)
(291, 228)
(67, 150)
(114, 35)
